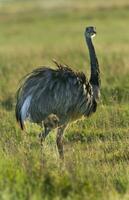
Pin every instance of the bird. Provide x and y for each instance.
(55, 97)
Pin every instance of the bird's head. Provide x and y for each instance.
(90, 31)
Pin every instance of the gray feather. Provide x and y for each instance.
(61, 91)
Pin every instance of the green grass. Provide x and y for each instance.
(96, 162)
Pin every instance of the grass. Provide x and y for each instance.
(96, 162)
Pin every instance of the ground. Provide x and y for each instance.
(96, 164)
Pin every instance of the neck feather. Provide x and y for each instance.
(95, 73)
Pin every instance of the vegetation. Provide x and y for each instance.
(96, 162)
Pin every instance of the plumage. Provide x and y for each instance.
(62, 92)
(58, 95)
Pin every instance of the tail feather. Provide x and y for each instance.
(22, 111)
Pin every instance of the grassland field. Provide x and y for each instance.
(96, 165)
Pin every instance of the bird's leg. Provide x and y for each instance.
(43, 134)
(59, 140)
(49, 123)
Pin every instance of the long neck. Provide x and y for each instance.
(95, 73)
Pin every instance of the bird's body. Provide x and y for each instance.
(56, 97)
(62, 92)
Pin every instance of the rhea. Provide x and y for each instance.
(53, 98)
